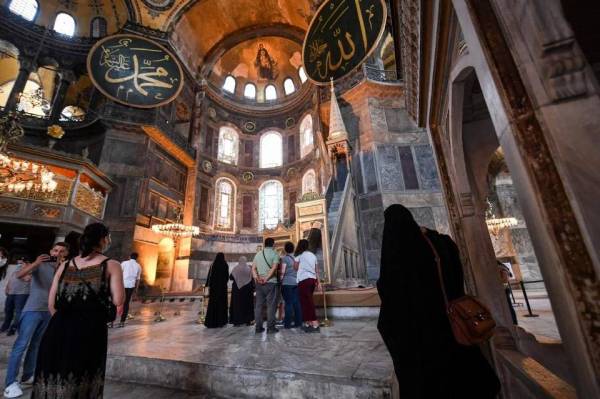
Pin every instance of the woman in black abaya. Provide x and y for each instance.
(218, 276)
(428, 362)
(241, 310)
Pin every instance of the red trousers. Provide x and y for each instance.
(305, 292)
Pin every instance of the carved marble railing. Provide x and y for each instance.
(367, 72)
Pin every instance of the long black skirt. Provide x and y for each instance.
(216, 311)
(241, 310)
(72, 357)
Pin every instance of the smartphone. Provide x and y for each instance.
(53, 259)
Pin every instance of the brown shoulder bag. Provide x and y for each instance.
(470, 320)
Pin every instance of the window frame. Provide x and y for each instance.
(35, 14)
(72, 19)
(102, 33)
(217, 225)
(249, 84)
(285, 90)
(309, 172)
(263, 137)
(262, 205)
(306, 147)
(270, 86)
(302, 72)
(229, 78)
(221, 156)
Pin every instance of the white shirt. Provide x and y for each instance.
(308, 265)
(131, 272)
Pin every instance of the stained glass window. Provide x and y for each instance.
(229, 84)
(306, 136)
(225, 203)
(271, 204)
(65, 24)
(271, 151)
(25, 8)
(228, 145)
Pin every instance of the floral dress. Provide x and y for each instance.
(72, 356)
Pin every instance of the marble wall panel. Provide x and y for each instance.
(424, 216)
(525, 254)
(368, 172)
(124, 152)
(427, 168)
(388, 166)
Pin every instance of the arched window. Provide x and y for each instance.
(250, 91)
(302, 74)
(229, 84)
(225, 204)
(33, 99)
(306, 136)
(270, 93)
(288, 86)
(270, 204)
(72, 113)
(309, 182)
(98, 27)
(25, 8)
(228, 145)
(65, 24)
(271, 151)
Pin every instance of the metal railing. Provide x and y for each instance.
(372, 72)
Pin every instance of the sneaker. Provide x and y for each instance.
(13, 390)
(259, 330)
(272, 330)
(29, 381)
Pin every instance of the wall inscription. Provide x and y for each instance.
(135, 71)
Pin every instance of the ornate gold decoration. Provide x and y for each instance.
(55, 131)
(177, 229)
(89, 200)
(207, 166)
(250, 126)
(247, 177)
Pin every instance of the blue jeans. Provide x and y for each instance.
(12, 311)
(292, 306)
(31, 329)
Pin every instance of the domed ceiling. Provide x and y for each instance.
(281, 60)
(210, 26)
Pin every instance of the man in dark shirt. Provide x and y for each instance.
(34, 319)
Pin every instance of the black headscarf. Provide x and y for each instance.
(218, 276)
(412, 320)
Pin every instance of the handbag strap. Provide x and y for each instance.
(439, 268)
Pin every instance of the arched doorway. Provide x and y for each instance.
(164, 263)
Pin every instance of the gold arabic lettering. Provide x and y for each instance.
(148, 78)
(344, 56)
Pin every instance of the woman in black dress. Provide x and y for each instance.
(241, 310)
(218, 276)
(429, 363)
(72, 356)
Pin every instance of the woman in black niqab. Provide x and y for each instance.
(428, 362)
(218, 276)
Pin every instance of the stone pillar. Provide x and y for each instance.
(58, 102)
(26, 66)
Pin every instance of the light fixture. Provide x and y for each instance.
(18, 175)
(494, 224)
(177, 229)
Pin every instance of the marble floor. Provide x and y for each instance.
(544, 325)
(345, 360)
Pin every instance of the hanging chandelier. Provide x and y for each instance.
(177, 229)
(494, 224)
(17, 175)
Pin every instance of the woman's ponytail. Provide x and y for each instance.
(91, 237)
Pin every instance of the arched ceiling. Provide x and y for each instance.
(208, 26)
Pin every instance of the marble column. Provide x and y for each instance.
(66, 77)
(26, 66)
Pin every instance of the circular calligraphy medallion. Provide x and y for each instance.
(247, 177)
(342, 34)
(207, 166)
(289, 122)
(135, 71)
(250, 126)
(159, 5)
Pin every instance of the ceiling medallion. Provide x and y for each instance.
(247, 177)
(250, 126)
(291, 172)
(207, 166)
(289, 122)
